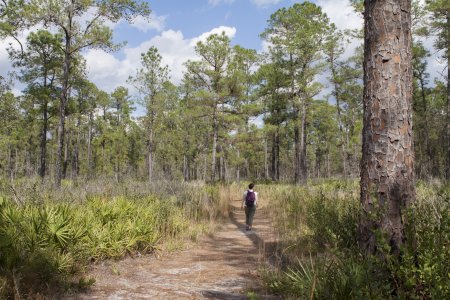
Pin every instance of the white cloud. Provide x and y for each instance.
(155, 22)
(342, 14)
(217, 2)
(108, 72)
(87, 17)
(9, 42)
(5, 64)
(436, 64)
(265, 3)
(229, 31)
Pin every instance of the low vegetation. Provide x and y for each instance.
(48, 237)
(320, 258)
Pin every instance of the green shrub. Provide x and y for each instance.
(45, 241)
(326, 217)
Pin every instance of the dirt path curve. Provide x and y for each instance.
(221, 266)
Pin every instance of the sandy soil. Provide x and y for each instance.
(220, 266)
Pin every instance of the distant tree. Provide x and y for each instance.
(40, 68)
(209, 76)
(149, 81)
(387, 167)
(273, 92)
(440, 26)
(242, 85)
(299, 33)
(78, 33)
(10, 130)
(121, 119)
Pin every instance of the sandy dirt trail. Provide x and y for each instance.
(220, 266)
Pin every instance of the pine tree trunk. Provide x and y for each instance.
(59, 152)
(275, 165)
(426, 128)
(214, 146)
(297, 150)
(337, 95)
(273, 158)
(43, 145)
(11, 162)
(185, 168)
(76, 150)
(266, 159)
(89, 147)
(150, 154)
(303, 172)
(66, 155)
(238, 167)
(387, 173)
(448, 98)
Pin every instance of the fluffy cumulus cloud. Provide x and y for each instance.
(265, 3)
(342, 14)
(5, 63)
(108, 72)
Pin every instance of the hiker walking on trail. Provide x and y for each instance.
(250, 201)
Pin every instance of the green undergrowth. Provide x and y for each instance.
(320, 258)
(48, 242)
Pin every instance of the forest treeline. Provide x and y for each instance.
(207, 127)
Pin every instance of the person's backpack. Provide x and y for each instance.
(250, 199)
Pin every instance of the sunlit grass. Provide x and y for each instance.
(317, 225)
(47, 236)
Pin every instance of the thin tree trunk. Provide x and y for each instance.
(214, 146)
(11, 162)
(297, 150)
(222, 166)
(448, 98)
(302, 157)
(205, 168)
(185, 168)
(76, 150)
(276, 156)
(150, 154)
(426, 127)
(59, 153)
(89, 146)
(266, 159)
(62, 106)
(273, 158)
(337, 95)
(66, 155)
(387, 167)
(43, 155)
(238, 167)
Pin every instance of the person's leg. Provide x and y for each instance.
(247, 217)
(251, 214)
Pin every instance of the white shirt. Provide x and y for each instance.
(245, 196)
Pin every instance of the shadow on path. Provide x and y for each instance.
(261, 235)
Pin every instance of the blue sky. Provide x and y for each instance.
(195, 17)
(177, 25)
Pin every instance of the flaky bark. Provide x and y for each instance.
(387, 177)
